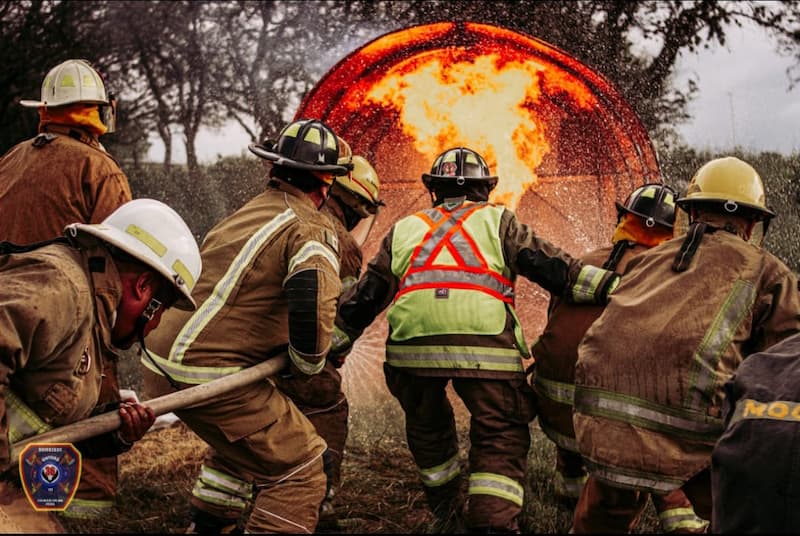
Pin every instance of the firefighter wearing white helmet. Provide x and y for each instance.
(94, 291)
(270, 285)
(64, 169)
(651, 369)
(64, 175)
(447, 275)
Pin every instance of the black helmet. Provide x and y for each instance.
(306, 144)
(655, 202)
(458, 165)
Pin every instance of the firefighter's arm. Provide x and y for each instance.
(135, 420)
(775, 312)
(364, 302)
(312, 287)
(553, 268)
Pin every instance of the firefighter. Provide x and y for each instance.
(644, 220)
(754, 464)
(447, 275)
(353, 203)
(64, 175)
(650, 370)
(71, 304)
(270, 285)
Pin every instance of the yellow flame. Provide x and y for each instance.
(486, 104)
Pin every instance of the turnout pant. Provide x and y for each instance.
(322, 401)
(603, 508)
(500, 411)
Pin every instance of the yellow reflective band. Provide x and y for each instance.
(88, 81)
(147, 239)
(226, 482)
(222, 290)
(313, 135)
(454, 357)
(777, 410)
(703, 375)
(183, 272)
(87, 508)
(569, 486)
(561, 392)
(217, 497)
(563, 441)
(312, 248)
(67, 81)
(306, 367)
(585, 288)
(292, 130)
(186, 373)
(441, 474)
(681, 518)
(23, 422)
(496, 485)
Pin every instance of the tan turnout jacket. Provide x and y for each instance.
(55, 333)
(68, 179)
(650, 371)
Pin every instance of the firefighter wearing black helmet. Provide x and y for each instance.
(447, 275)
(644, 220)
(271, 283)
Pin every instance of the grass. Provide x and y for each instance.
(380, 492)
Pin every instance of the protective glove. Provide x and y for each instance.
(340, 347)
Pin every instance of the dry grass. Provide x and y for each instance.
(380, 491)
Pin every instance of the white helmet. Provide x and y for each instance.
(75, 81)
(156, 235)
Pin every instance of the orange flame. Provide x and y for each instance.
(486, 103)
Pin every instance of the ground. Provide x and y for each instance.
(380, 493)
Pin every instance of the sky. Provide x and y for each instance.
(743, 101)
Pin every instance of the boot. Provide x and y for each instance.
(205, 523)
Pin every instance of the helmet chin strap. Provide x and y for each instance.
(146, 316)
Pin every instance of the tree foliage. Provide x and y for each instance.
(182, 65)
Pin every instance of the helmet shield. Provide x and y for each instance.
(361, 231)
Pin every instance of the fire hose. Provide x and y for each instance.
(108, 422)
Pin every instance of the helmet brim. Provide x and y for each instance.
(117, 238)
(700, 199)
(280, 160)
(429, 179)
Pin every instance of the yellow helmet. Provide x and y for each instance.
(729, 182)
(360, 188)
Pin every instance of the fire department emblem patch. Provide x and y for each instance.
(50, 473)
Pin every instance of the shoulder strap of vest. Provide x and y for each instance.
(616, 254)
(7, 248)
(690, 244)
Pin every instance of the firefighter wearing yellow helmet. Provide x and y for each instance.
(72, 303)
(644, 220)
(64, 175)
(354, 198)
(447, 276)
(650, 371)
(270, 285)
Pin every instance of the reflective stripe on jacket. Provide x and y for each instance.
(650, 370)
